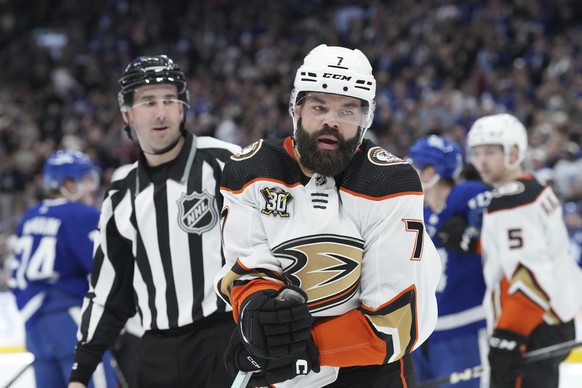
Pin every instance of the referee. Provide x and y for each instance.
(159, 243)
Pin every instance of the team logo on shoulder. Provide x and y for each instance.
(509, 188)
(248, 152)
(381, 157)
(276, 202)
(196, 212)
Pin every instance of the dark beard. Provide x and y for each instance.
(321, 161)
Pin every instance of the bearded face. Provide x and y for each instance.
(316, 157)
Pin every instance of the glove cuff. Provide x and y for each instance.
(504, 339)
(81, 374)
(291, 292)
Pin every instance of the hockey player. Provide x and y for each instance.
(533, 285)
(452, 215)
(55, 257)
(330, 272)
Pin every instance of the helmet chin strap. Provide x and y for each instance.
(431, 182)
(296, 124)
(70, 196)
(508, 164)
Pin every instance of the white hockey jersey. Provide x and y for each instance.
(356, 244)
(529, 273)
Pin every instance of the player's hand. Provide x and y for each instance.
(275, 324)
(455, 234)
(269, 371)
(505, 357)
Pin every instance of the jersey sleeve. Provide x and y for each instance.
(525, 239)
(81, 235)
(401, 269)
(248, 256)
(109, 302)
(518, 247)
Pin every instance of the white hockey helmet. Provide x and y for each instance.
(336, 70)
(502, 129)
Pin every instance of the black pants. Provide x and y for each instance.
(398, 374)
(125, 350)
(189, 357)
(546, 373)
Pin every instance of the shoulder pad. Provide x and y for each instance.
(248, 152)
(515, 193)
(264, 159)
(380, 157)
(376, 172)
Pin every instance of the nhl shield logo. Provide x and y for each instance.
(196, 212)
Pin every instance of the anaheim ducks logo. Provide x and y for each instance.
(381, 157)
(509, 188)
(248, 151)
(328, 267)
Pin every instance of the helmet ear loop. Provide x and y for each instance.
(362, 130)
(431, 182)
(295, 121)
(128, 128)
(295, 117)
(183, 129)
(371, 108)
(70, 196)
(506, 159)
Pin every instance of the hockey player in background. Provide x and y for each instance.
(329, 269)
(452, 215)
(533, 285)
(54, 252)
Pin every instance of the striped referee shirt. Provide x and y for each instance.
(158, 249)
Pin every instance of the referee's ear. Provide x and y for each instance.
(125, 116)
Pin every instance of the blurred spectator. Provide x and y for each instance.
(439, 64)
(567, 170)
(573, 221)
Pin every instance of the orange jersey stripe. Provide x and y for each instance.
(402, 376)
(240, 293)
(224, 188)
(400, 194)
(348, 340)
(518, 313)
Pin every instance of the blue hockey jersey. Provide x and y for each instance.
(576, 244)
(54, 252)
(461, 287)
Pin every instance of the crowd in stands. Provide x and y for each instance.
(439, 65)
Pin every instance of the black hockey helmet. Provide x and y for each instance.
(150, 70)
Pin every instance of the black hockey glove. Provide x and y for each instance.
(269, 370)
(275, 324)
(456, 235)
(505, 357)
